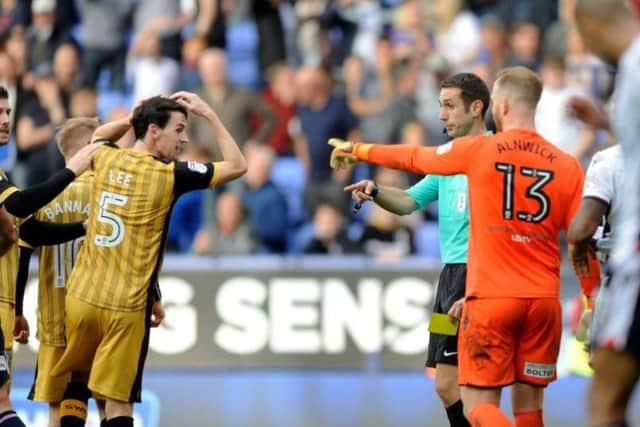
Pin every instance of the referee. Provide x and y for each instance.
(464, 100)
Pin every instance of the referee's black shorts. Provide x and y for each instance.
(451, 286)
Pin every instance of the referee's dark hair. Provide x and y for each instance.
(156, 110)
(472, 88)
(4, 93)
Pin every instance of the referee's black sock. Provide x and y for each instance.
(103, 422)
(120, 422)
(456, 416)
(73, 408)
(622, 423)
(10, 419)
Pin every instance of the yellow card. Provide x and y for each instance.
(441, 324)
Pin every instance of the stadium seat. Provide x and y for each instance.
(355, 231)
(361, 171)
(299, 238)
(103, 80)
(426, 240)
(108, 100)
(242, 53)
(289, 176)
(361, 214)
(77, 32)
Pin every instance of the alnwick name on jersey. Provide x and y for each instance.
(529, 146)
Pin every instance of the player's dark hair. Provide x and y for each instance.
(156, 110)
(472, 88)
(4, 93)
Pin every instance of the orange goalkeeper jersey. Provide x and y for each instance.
(522, 192)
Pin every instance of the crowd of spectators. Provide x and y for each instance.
(284, 76)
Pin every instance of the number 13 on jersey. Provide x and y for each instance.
(534, 191)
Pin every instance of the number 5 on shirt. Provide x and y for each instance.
(111, 219)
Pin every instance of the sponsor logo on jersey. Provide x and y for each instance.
(4, 364)
(197, 167)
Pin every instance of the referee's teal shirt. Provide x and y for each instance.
(453, 212)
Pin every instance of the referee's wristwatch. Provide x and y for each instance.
(374, 191)
(373, 194)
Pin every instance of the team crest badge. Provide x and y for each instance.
(197, 167)
(445, 148)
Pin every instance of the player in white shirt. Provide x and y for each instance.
(602, 202)
(611, 29)
(592, 226)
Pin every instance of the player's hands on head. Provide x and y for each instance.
(455, 312)
(587, 112)
(135, 107)
(21, 330)
(361, 191)
(192, 102)
(81, 161)
(341, 156)
(157, 314)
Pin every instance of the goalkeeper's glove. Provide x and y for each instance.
(342, 155)
(583, 331)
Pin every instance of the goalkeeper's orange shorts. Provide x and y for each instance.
(507, 340)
